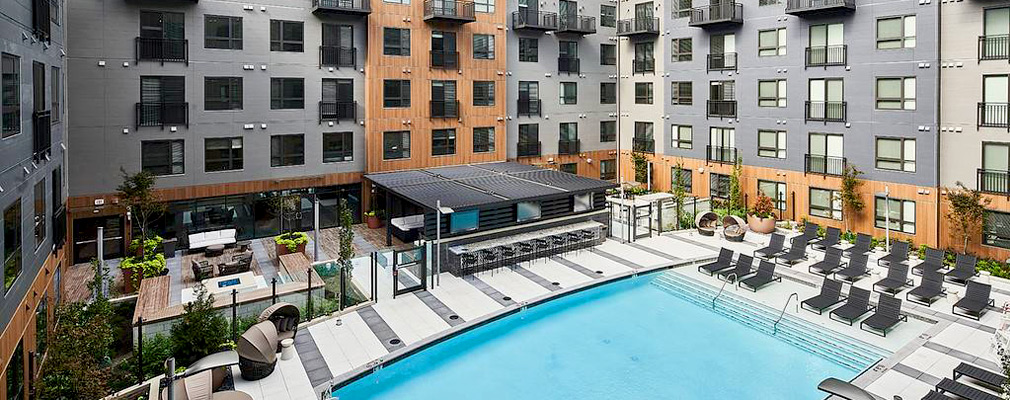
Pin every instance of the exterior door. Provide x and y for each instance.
(86, 238)
(162, 35)
(994, 176)
(997, 33)
(826, 98)
(826, 154)
(338, 45)
(643, 16)
(162, 99)
(826, 43)
(995, 98)
(443, 49)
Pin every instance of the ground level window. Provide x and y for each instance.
(900, 212)
(775, 191)
(719, 186)
(681, 176)
(825, 203)
(608, 169)
(997, 229)
(571, 168)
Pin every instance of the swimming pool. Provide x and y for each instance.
(632, 339)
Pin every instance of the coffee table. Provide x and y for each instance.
(214, 250)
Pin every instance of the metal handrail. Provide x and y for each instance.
(775, 327)
(730, 277)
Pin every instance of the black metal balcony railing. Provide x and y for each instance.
(824, 165)
(722, 61)
(638, 26)
(449, 10)
(444, 59)
(994, 47)
(162, 50)
(722, 108)
(338, 110)
(993, 181)
(824, 56)
(721, 154)
(41, 24)
(568, 146)
(576, 24)
(645, 145)
(445, 108)
(730, 12)
(800, 7)
(161, 114)
(534, 20)
(41, 135)
(338, 56)
(994, 115)
(529, 149)
(351, 7)
(643, 65)
(568, 65)
(529, 107)
(826, 111)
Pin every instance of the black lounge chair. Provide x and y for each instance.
(964, 269)
(809, 233)
(887, 316)
(934, 395)
(862, 245)
(898, 254)
(896, 280)
(831, 263)
(856, 269)
(948, 385)
(740, 269)
(976, 300)
(929, 290)
(986, 377)
(725, 261)
(831, 294)
(774, 248)
(933, 261)
(831, 237)
(765, 275)
(797, 253)
(857, 305)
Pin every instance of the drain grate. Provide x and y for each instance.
(506, 298)
(556, 283)
(395, 342)
(599, 272)
(454, 317)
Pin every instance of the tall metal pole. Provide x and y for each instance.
(438, 241)
(620, 171)
(315, 225)
(887, 218)
(170, 372)
(101, 261)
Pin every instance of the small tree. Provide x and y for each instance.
(137, 194)
(679, 193)
(641, 165)
(346, 236)
(850, 196)
(736, 203)
(77, 365)
(200, 331)
(967, 213)
(288, 208)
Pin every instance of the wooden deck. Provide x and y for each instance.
(153, 296)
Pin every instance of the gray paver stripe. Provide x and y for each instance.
(585, 271)
(312, 360)
(981, 362)
(536, 278)
(693, 242)
(439, 308)
(263, 260)
(655, 252)
(380, 328)
(489, 291)
(618, 260)
(916, 374)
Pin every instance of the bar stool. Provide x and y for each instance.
(542, 246)
(488, 257)
(526, 250)
(508, 255)
(589, 237)
(467, 262)
(574, 241)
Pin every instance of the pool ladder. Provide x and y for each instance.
(775, 327)
(730, 277)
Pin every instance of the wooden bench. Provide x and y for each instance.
(153, 296)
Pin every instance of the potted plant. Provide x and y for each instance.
(374, 220)
(146, 264)
(761, 219)
(291, 242)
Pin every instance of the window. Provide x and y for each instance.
(608, 16)
(568, 131)
(896, 32)
(825, 203)
(16, 373)
(683, 136)
(443, 142)
(163, 157)
(396, 41)
(775, 191)
(287, 150)
(222, 154)
(483, 140)
(338, 146)
(40, 213)
(582, 202)
(608, 93)
(608, 54)
(395, 145)
(644, 60)
(826, 154)
(995, 164)
(996, 230)
(397, 1)
(12, 245)
(643, 92)
(483, 93)
(54, 11)
(569, 93)
(682, 177)
(608, 131)
(56, 92)
(571, 168)
(222, 93)
(287, 93)
(41, 327)
(395, 93)
(896, 154)
(719, 186)
(529, 140)
(527, 211)
(483, 47)
(223, 32)
(896, 93)
(682, 8)
(462, 221)
(681, 93)
(772, 42)
(11, 106)
(529, 49)
(681, 50)
(483, 6)
(772, 144)
(287, 35)
(772, 93)
(900, 214)
(608, 170)
(57, 180)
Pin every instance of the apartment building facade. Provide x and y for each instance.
(32, 50)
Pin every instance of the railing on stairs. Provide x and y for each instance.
(729, 278)
(775, 327)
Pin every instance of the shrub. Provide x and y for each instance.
(200, 331)
(79, 356)
(150, 263)
(763, 207)
(292, 240)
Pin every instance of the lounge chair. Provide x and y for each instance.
(831, 263)
(831, 237)
(989, 378)
(741, 269)
(725, 261)
(239, 263)
(774, 248)
(856, 269)
(202, 270)
(933, 261)
(976, 300)
(257, 351)
(857, 305)
(797, 253)
(845, 390)
(934, 395)
(887, 316)
(706, 223)
(733, 228)
(898, 254)
(765, 275)
(831, 294)
(285, 317)
(964, 269)
(929, 290)
(896, 280)
(809, 233)
(862, 245)
(948, 385)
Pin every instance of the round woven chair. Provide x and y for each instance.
(257, 355)
(285, 317)
(706, 223)
(733, 228)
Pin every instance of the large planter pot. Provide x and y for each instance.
(128, 281)
(374, 222)
(761, 225)
(282, 249)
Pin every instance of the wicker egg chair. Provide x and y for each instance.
(734, 228)
(285, 317)
(257, 355)
(706, 223)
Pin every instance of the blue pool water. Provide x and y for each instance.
(625, 340)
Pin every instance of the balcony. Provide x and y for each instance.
(638, 27)
(643, 66)
(162, 50)
(722, 62)
(824, 165)
(568, 65)
(568, 146)
(826, 56)
(643, 145)
(994, 115)
(338, 56)
(721, 154)
(819, 7)
(529, 107)
(354, 8)
(529, 149)
(994, 181)
(338, 110)
(162, 114)
(717, 15)
(42, 138)
(721, 108)
(994, 47)
(441, 59)
(534, 21)
(826, 111)
(445, 108)
(41, 21)
(450, 11)
(576, 24)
